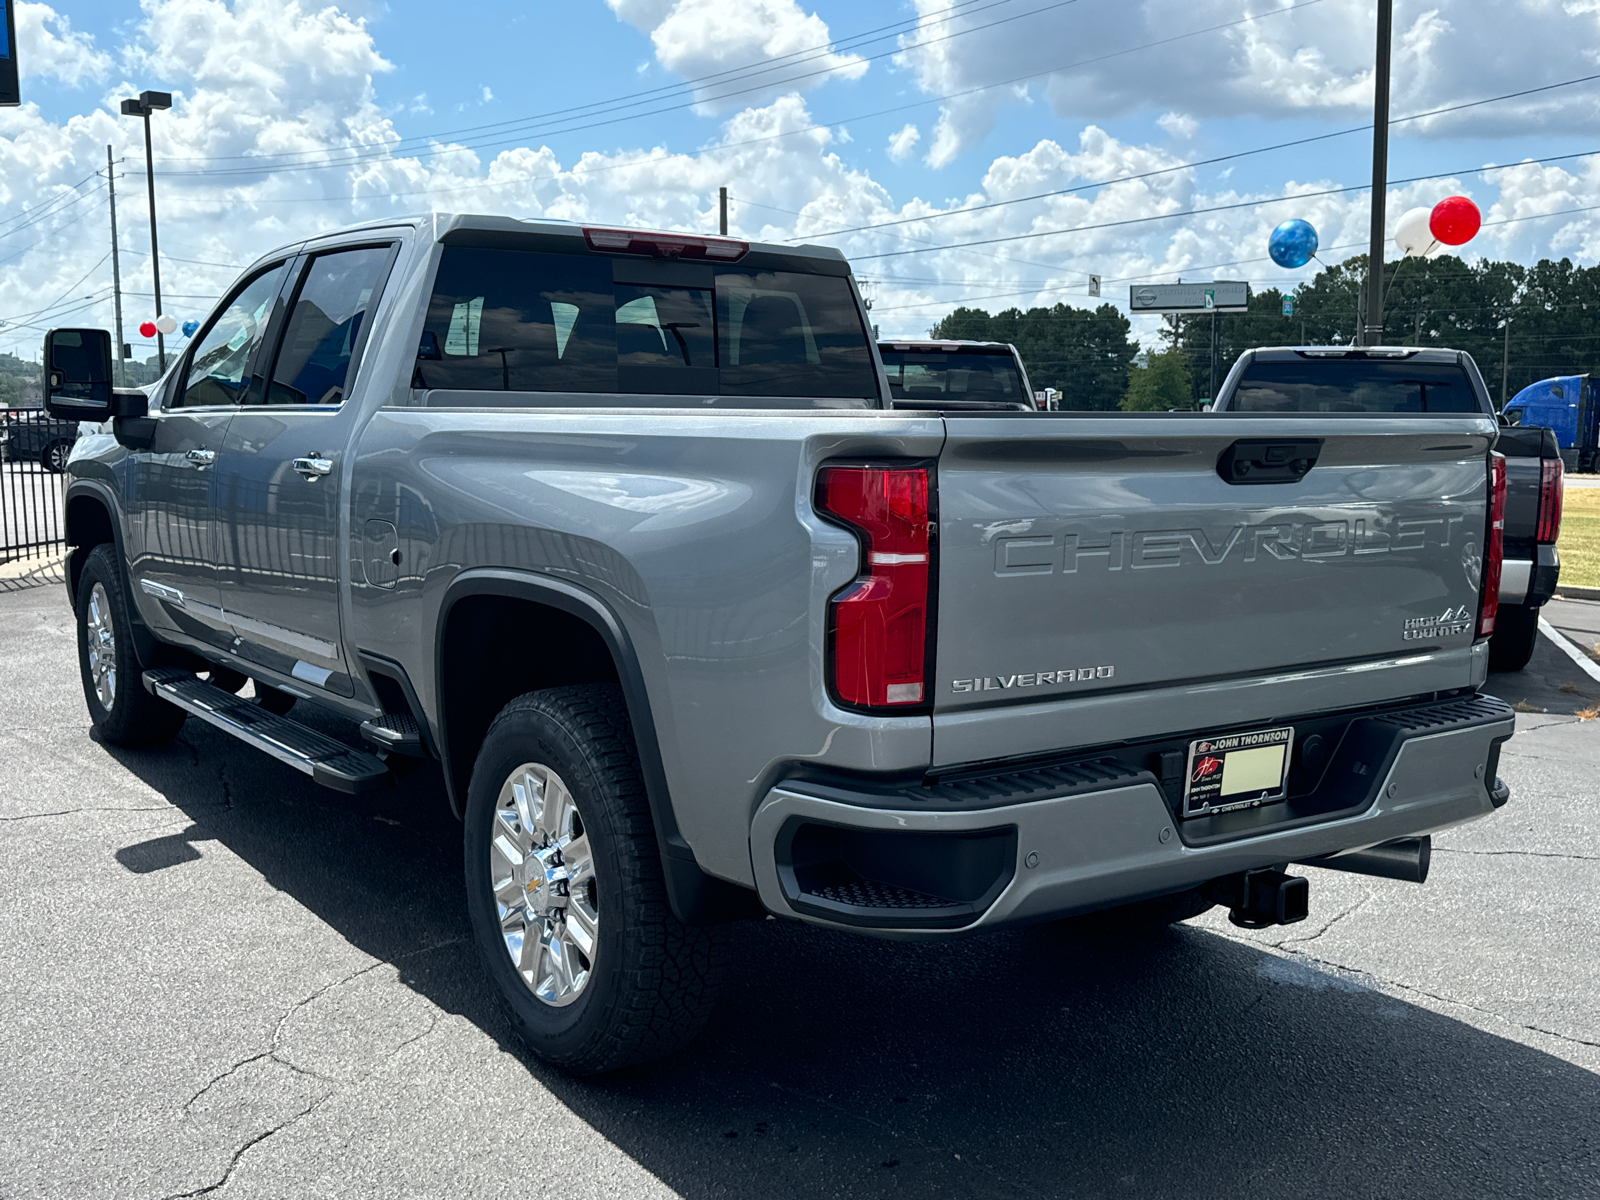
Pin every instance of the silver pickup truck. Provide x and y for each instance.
(622, 530)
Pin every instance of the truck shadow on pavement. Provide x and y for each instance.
(1032, 1062)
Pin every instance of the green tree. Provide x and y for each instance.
(1162, 385)
(1082, 353)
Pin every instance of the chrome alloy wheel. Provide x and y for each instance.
(541, 868)
(102, 639)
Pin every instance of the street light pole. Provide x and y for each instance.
(1372, 334)
(147, 103)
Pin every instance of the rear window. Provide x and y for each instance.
(534, 322)
(952, 375)
(1354, 386)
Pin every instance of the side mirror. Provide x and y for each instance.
(77, 374)
(77, 378)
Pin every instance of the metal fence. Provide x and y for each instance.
(33, 450)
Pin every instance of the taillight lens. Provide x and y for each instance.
(1494, 550)
(1552, 475)
(878, 626)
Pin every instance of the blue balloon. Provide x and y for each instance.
(1293, 243)
(190, 326)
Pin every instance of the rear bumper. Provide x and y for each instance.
(1530, 581)
(1091, 834)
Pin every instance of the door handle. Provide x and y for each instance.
(202, 458)
(313, 467)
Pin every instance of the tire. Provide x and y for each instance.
(123, 713)
(1516, 630)
(647, 982)
(274, 700)
(53, 457)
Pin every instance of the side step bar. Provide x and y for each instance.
(328, 761)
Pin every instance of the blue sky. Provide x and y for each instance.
(1109, 89)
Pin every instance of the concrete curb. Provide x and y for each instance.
(1563, 592)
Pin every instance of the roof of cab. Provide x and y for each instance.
(1409, 353)
(446, 223)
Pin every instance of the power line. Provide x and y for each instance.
(1192, 212)
(835, 45)
(1202, 162)
(383, 153)
(922, 103)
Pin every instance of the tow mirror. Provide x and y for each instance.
(77, 378)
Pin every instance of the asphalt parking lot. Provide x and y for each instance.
(220, 979)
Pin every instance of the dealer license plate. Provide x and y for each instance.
(1237, 770)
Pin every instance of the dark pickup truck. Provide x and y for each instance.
(1407, 381)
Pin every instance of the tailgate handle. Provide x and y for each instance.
(1268, 460)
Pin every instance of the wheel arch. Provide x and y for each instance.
(90, 520)
(595, 647)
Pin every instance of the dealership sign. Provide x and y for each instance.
(1218, 296)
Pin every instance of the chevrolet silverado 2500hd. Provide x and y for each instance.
(622, 529)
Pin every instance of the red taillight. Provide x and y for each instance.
(664, 245)
(1551, 477)
(1494, 549)
(878, 626)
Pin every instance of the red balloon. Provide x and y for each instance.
(147, 329)
(1455, 220)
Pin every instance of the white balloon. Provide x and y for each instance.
(1412, 235)
(166, 324)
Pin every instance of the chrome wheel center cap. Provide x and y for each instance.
(545, 888)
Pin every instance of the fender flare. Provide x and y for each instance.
(696, 898)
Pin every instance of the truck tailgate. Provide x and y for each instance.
(1098, 575)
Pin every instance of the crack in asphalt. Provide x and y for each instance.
(272, 1054)
(1523, 853)
(1331, 923)
(1421, 991)
(72, 812)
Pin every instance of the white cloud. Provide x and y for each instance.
(902, 142)
(258, 79)
(487, 95)
(1093, 62)
(697, 38)
(1178, 125)
(48, 45)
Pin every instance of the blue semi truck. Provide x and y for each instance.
(1569, 405)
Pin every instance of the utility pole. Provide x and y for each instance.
(722, 201)
(147, 103)
(116, 267)
(1213, 356)
(1505, 361)
(1372, 331)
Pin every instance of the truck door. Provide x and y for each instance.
(171, 505)
(280, 471)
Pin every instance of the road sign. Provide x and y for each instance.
(9, 95)
(1094, 285)
(1219, 296)
(1288, 306)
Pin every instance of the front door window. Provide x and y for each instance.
(218, 367)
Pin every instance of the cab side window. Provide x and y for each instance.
(218, 368)
(325, 323)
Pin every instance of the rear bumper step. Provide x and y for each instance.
(908, 860)
(326, 760)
